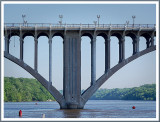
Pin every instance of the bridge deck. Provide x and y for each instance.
(47, 26)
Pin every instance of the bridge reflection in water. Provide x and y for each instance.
(71, 34)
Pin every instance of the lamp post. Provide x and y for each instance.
(98, 16)
(133, 17)
(23, 16)
(127, 23)
(60, 16)
(95, 22)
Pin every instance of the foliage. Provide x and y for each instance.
(145, 92)
(24, 89)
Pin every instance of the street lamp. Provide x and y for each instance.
(98, 16)
(133, 17)
(127, 23)
(24, 22)
(60, 16)
(95, 22)
(23, 16)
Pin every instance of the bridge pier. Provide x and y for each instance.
(6, 44)
(121, 50)
(152, 41)
(50, 60)
(93, 60)
(72, 71)
(36, 53)
(21, 48)
(107, 54)
(136, 45)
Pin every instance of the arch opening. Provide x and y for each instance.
(128, 47)
(100, 56)
(142, 43)
(85, 62)
(28, 51)
(43, 57)
(14, 46)
(114, 54)
(57, 62)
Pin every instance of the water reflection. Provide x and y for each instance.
(72, 113)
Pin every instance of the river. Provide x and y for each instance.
(93, 109)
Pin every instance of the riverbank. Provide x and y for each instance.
(27, 89)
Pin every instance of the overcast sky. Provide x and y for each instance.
(139, 72)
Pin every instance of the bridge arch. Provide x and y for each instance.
(72, 47)
(27, 34)
(117, 34)
(90, 35)
(42, 34)
(132, 35)
(58, 34)
(92, 89)
(104, 35)
(13, 34)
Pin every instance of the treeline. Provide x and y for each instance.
(27, 89)
(24, 89)
(145, 92)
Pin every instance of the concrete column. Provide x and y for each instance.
(72, 70)
(123, 48)
(147, 43)
(93, 60)
(107, 54)
(152, 41)
(36, 53)
(136, 45)
(21, 48)
(120, 51)
(50, 61)
(6, 44)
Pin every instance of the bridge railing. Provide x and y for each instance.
(116, 26)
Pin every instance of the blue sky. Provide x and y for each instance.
(139, 72)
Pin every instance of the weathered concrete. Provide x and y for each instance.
(50, 61)
(93, 60)
(107, 54)
(92, 89)
(72, 97)
(35, 54)
(56, 94)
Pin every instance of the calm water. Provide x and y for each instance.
(93, 109)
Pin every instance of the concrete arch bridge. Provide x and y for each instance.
(71, 34)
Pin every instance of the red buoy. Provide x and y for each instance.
(133, 107)
(20, 113)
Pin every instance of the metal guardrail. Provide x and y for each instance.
(149, 26)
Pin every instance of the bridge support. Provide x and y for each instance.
(6, 44)
(152, 41)
(21, 48)
(136, 45)
(107, 54)
(148, 42)
(93, 60)
(72, 71)
(35, 54)
(50, 61)
(121, 50)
